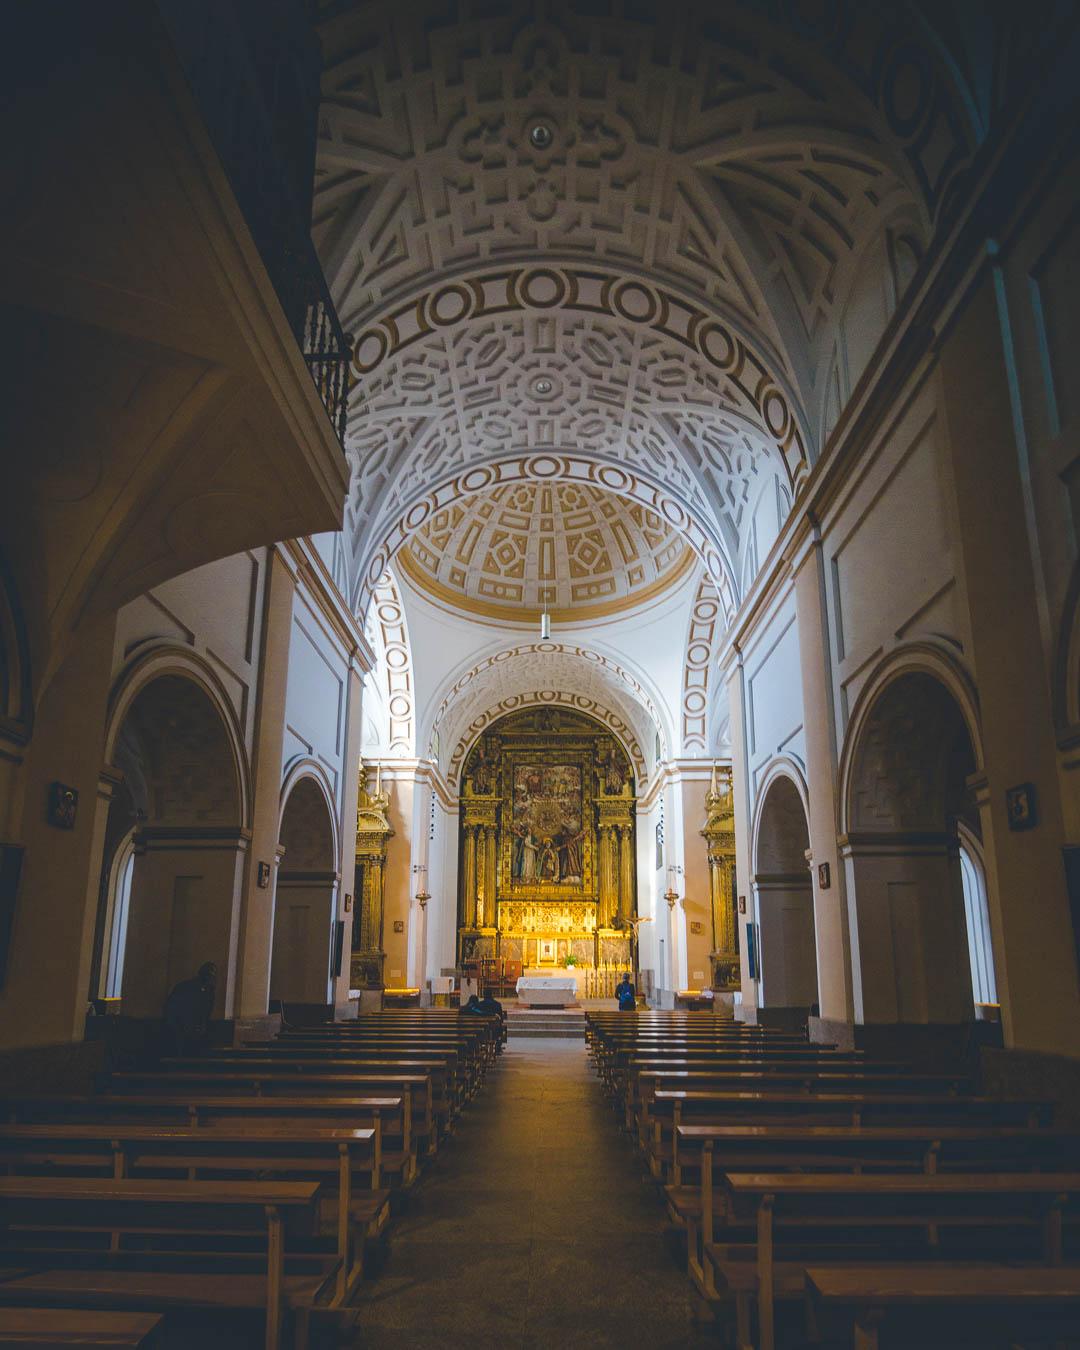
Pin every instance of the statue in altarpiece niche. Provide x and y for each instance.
(613, 771)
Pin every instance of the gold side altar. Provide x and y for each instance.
(548, 870)
(719, 836)
(369, 881)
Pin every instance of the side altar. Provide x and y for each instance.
(548, 873)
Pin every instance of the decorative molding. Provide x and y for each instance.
(701, 644)
(397, 661)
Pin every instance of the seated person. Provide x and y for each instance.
(473, 1005)
(490, 1004)
(626, 994)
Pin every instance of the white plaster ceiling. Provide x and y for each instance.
(568, 548)
(659, 209)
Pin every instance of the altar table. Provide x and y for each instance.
(547, 990)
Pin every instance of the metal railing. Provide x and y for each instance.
(253, 67)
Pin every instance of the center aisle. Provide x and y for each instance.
(533, 1228)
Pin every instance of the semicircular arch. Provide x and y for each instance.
(164, 660)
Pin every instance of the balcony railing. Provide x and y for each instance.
(254, 68)
(326, 350)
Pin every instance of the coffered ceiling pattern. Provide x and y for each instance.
(563, 547)
(615, 390)
(621, 231)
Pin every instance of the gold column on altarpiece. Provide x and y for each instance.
(615, 831)
(480, 833)
(719, 836)
(468, 878)
(372, 834)
(626, 872)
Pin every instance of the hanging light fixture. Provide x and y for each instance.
(545, 626)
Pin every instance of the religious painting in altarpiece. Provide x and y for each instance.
(547, 820)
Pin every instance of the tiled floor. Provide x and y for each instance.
(534, 1228)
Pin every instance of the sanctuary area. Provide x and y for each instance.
(540, 673)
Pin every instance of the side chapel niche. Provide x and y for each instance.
(719, 836)
(548, 848)
(373, 832)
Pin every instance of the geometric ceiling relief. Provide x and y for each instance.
(564, 547)
(702, 641)
(556, 356)
(396, 663)
(542, 667)
(626, 239)
(551, 468)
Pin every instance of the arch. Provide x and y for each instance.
(548, 698)
(914, 658)
(305, 889)
(306, 767)
(173, 737)
(602, 678)
(781, 769)
(166, 659)
(909, 754)
(783, 892)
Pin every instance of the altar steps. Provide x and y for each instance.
(563, 1023)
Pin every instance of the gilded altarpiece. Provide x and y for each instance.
(369, 882)
(719, 836)
(548, 845)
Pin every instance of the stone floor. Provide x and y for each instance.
(533, 1228)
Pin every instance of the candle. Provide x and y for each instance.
(378, 778)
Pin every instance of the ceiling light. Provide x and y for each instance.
(540, 136)
(545, 626)
(543, 385)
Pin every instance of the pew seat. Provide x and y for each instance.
(1025, 1295)
(22, 1328)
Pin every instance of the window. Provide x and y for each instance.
(980, 950)
(119, 901)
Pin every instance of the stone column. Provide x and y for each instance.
(1029, 909)
(831, 936)
(251, 976)
(347, 826)
(740, 786)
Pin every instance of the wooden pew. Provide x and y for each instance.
(284, 1083)
(926, 1147)
(982, 1206)
(37, 1210)
(390, 1117)
(1039, 1303)
(287, 1151)
(23, 1328)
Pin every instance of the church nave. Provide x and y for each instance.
(535, 1227)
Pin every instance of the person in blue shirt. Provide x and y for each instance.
(626, 994)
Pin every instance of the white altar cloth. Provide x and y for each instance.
(549, 990)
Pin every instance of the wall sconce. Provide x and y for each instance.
(422, 897)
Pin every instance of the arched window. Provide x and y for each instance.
(980, 950)
(119, 898)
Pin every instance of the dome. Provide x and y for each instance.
(578, 551)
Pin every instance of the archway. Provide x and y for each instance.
(304, 897)
(906, 802)
(784, 899)
(179, 809)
